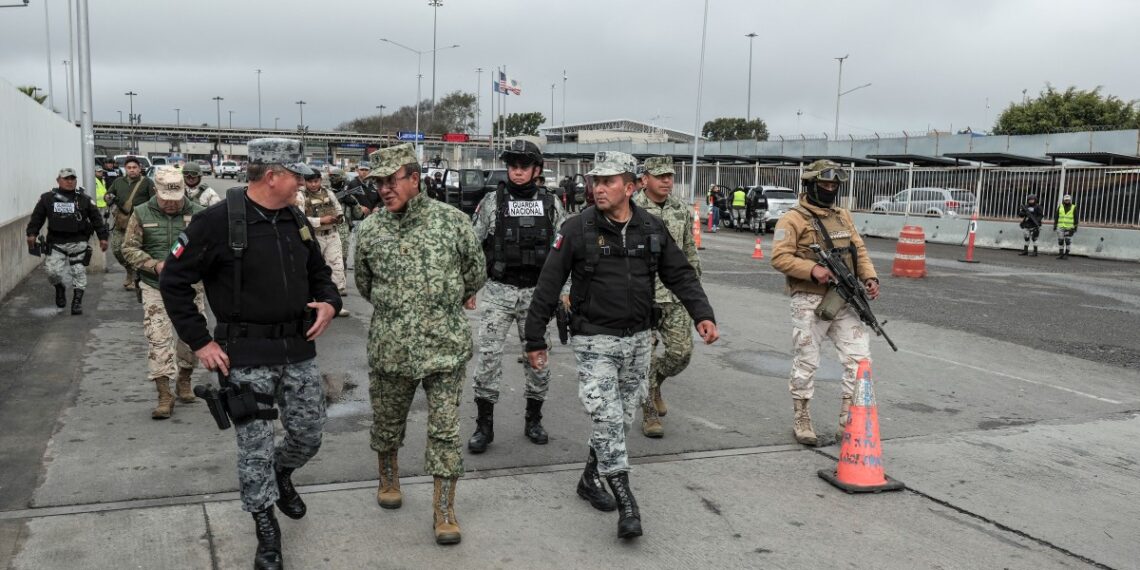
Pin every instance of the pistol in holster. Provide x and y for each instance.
(235, 401)
(562, 320)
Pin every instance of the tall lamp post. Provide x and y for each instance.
(478, 99)
(839, 93)
(218, 144)
(381, 107)
(275, 119)
(258, 98)
(177, 117)
(563, 105)
(231, 118)
(419, 77)
(748, 114)
(131, 117)
(697, 119)
(435, 4)
(301, 128)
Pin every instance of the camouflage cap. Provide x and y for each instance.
(168, 183)
(191, 168)
(286, 152)
(659, 165)
(66, 173)
(611, 162)
(386, 161)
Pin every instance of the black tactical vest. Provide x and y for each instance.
(524, 230)
(66, 213)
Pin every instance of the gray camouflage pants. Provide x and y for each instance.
(808, 331)
(59, 264)
(504, 305)
(301, 401)
(612, 386)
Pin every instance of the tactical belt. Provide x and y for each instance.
(585, 329)
(254, 330)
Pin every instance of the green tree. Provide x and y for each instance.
(735, 129)
(1072, 109)
(30, 91)
(454, 113)
(520, 124)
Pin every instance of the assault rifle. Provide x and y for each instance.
(851, 290)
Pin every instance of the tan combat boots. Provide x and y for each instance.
(388, 494)
(182, 386)
(443, 507)
(801, 423)
(165, 399)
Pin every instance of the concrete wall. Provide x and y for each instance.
(34, 144)
(1103, 243)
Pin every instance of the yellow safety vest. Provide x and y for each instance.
(1065, 219)
(738, 199)
(100, 190)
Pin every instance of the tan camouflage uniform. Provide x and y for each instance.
(324, 203)
(203, 195)
(417, 268)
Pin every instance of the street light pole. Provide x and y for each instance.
(419, 77)
(231, 118)
(258, 98)
(478, 99)
(551, 104)
(697, 120)
(177, 117)
(435, 4)
(838, 94)
(131, 95)
(275, 119)
(67, 85)
(47, 38)
(301, 107)
(218, 144)
(748, 114)
(563, 105)
(381, 107)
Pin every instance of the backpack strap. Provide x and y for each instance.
(235, 200)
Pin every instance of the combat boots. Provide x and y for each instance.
(288, 499)
(651, 425)
(801, 423)
(165, 399)
(268, 555)
(590, 486)
(60, 295)
(844, 414)
(658, 400)
(182, 386)
(533, 429)
(1024, 250)
(1034, 254)
(77, 302)
(484, 427)
(443, 506)
(629, 522)
(388, 494)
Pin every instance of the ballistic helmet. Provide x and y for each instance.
(522, 151)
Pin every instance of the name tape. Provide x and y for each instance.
(525, 208)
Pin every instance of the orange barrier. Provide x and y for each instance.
(970, 245)
(757, 252)
(910, 253)
(860, 468)
(697, 225)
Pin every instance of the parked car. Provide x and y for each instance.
(472, 187)
(207, 168)
(932, 202)
(228, 168)
(767, 204)
(159, 161)
(493, 178)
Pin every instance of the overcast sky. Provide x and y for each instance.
(931, 63)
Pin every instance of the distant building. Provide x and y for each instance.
(615, 130)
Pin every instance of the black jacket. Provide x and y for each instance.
(620, 294)
(281, 273)
(89, 218)
(370, 198)
(1031, 216)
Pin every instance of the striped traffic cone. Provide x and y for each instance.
(860, 468)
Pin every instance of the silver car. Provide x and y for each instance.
(931, 202)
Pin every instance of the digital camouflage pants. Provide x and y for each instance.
(392, 398)
(301, 404)
(117, 237)
(68, 262)
(329, 240)
(675, 333)
(167, 354)
(808, 331)
(612, 386)
(503, 306)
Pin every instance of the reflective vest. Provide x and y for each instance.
(738, 199)
(1065, 220)
(100, 190)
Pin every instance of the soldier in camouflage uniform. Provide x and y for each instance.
(152, 230)
(349, 206)
(807, 283)
(516, 226)
(271, 303)
(418, 263)
(675, 329)
(123, 196)
(613, 250)
(325, 215)
(197, 190)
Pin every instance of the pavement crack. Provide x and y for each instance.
(210, 539)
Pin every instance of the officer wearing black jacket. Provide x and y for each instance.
(262, 287)
(367, 196)
(71, 218)
(1031, 215)
(613, 250)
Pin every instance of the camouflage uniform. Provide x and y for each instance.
(301, 401)
(66, 259)
(504, 304)
(611, 385)
(417, 268)
(203, 194)
(324, 203)
(121, 212)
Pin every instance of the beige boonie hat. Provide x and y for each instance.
(659, 165)
(168, 183)
(612, 162)
(386, 161)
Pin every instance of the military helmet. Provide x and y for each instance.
(1031, 198)
(336, 174)
(824, 171)
(191, 169)
(522, 151)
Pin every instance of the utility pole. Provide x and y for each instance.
(301, 108)
(177, 117)
(381, 107)
(67, 85)
(478, 99)
(435, 4)
(697, 119)
(86, 119)
(838, 94)
(231, 118)
(563, 105)
(218, 144)
(258, 98)
(47, 38)
(131, 117)
(748, 114)
(551, 104)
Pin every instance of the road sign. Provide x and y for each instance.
(409, 136)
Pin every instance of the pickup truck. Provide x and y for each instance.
(228, 168)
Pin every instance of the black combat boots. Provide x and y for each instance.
(590, 486)
(288, 500)
(268, 555)
(77, 302)
(533, 430)
(484, 427)
(629, 524)
(1034, 254)
(60, 295)
(1024, 250)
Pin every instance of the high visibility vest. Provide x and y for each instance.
(100, 190)
(738, 199)
(1065, 219)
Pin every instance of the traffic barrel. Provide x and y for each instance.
(860, 467)
(910, 253)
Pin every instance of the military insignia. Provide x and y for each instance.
(306, 235)
(779, 235)
(151, 225)
(558, 241)
(601, 241)
(179, 245)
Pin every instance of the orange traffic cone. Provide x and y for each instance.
(860, 468)
(697, 225)
(757, 252)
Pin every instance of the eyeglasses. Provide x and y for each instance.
(390, 181)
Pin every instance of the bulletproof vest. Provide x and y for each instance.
(319, 204)
(595, 249)
(523, 233)
(65, 214)
(838, 233)
(160, 231)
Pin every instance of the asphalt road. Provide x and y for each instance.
(1016, 379)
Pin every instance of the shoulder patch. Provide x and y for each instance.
(558, 241)
(780, 234)
(179, 245)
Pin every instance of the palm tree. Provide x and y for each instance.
(30, 91)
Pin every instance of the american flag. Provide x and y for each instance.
(507, 85)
